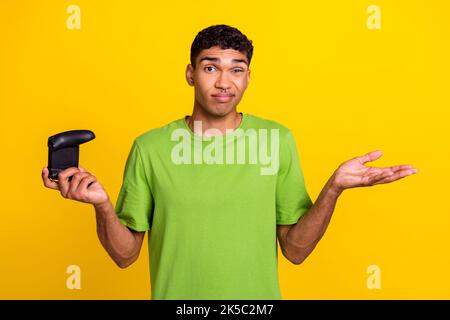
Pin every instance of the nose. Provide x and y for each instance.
(223, 82)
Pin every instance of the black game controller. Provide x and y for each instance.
(63, 150)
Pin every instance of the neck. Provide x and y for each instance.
(229, 121)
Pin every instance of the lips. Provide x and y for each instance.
(221, 97)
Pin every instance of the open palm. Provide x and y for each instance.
(353, 173)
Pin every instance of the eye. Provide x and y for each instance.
(208, 68)
(238, 70)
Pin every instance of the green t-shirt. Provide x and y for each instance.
(212, 208)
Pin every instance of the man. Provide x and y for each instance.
(214, 202)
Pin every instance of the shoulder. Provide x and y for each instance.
(157, 136)
(258, 122)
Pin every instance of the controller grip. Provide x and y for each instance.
(63, 150)
(68, 139)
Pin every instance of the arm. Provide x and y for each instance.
(298, 241)
(122, 244)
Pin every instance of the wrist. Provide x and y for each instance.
(334, 187)
(102, 205)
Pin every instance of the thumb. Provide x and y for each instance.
(82, 169)
(371, 156)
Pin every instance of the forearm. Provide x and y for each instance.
(307, 232)
(116, 238)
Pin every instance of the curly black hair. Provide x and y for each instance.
(225, 37)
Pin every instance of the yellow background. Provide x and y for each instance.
(343, 89)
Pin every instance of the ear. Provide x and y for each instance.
(190, 75)
(247, 78)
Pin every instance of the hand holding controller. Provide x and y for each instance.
(63, 173)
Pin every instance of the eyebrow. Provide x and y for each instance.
(214, 59)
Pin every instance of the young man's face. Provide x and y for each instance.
(220, 79)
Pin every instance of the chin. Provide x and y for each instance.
(220, 110)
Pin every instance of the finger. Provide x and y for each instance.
(82, 169)
(76, 178)
(84, 184)
(63, 179)
(398, 175)
(396, 169)
(374, 179)
(393, 169)
(47, 182)
(374, 171)
(371, 156)
(399, 167)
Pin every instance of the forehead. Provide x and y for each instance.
(223, 55)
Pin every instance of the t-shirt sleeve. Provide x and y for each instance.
(292, 198)
(134, 205)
